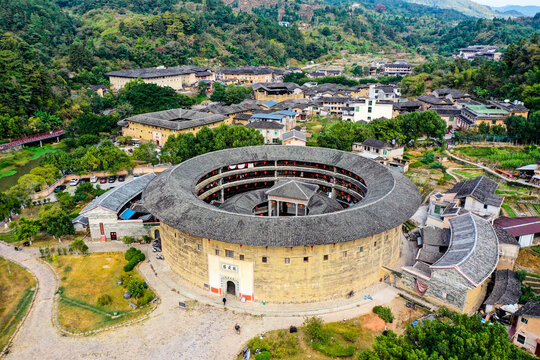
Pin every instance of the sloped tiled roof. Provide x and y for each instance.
(116, 198)
(480, 188)
(530, 309)
(507, 289)
(293, 189)
(379, 144)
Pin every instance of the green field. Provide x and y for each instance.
(509, 210)
(17, 287)
(508, 158)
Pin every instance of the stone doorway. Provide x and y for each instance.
(231, 288)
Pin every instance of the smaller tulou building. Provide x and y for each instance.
(454, 265)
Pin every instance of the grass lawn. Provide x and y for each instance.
(8, 237)
(508, 158)
(17, 287)
(315, 124)
(83, 280)
(11, 161)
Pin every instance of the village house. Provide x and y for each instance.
(399, 68)
(508, 248)
(295, 138)
(159, 126)
(525, 229)
(525, 329)
(429, 101)
(514, 108)
(277, 91)
(453, 266)
(120, 212)
(504, 297)
(479, 51)
(450, 114)
(383, 153)
(246, 74)
(487, 114)
(178, 78)
(450, 94)
(231, 111)
(476, 196)
(271, 130)
(367, 110)
(286, 118)
(98, 89)
(385, 92)
(405, 107)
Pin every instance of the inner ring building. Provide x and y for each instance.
(281, 223)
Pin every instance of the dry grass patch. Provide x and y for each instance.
(84, 279)
(17, 287)
(528, 260)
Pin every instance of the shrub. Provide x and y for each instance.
(350, 336)
(134, 257)
(443, 312)
(67, 269)
(315, 330)
(104, 300)
(125, 278)
(436, 165)
(130, 253)
(145, 299)
(135, 288)
(384, 313)
(258, 343)
(128, 239)
(415, 165)
(428, 158)
(263, 355)
(79, 245)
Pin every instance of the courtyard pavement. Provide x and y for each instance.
(204, 331)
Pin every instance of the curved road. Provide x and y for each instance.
(204, 332)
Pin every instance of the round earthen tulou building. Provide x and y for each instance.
(281, 223)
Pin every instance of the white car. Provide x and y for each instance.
(93, 179)
(74, 182)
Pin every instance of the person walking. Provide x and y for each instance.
(224, 301)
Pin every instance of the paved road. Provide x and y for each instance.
(203, 332)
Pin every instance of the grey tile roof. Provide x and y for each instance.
(275, 86)
(295, 134)
(246, 70)
(116, 198)
(390, 200)
(473, 250)
(222, 109)
(435, 236)
(263, 124)
(156, 72)
(293, 189)
(429, 254)
(480, 188)
(507, 289)
(378, 144)
(433, 100)
(504, 236)
(455, 93)
(176, 119)
(446, 110)
(80, 220)
(530, 309)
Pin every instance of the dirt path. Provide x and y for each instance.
(201, 332)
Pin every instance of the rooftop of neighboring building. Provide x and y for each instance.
(175, 119)
(483, 109)
(504, 236)
(510, 106)
(530, 309)
(378, 144)
(433, 100)
(507, 289)
(246, 70)
(480, 188)
(478, 48)
(473, 249)
(265, 124)
(116, 198)
(446, 110)
(454, 93)
(294, 134)
(275, 86)
(519, 226)
(160, 71)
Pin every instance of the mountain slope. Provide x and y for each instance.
(530, 10)
(466, 7)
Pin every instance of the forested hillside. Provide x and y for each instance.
(54, 49)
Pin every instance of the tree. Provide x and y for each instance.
(203, 88)
(136, 287)
(55, 221)
(90, 123)
(458, 337)
(522, 129)
(49, 173)
(236, 94)
(26, 229)
(145, 98)
(31, 183)
(326, 31)
(8, 205)
(147, 152)
(79, 245)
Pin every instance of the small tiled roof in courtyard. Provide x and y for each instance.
(116, 198)
(530, 309)
(507, 289)
(293, 189)
(390, 200)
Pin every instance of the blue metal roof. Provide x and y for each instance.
(270, 103)
(284, 112)
(127, 214)
(268, 116)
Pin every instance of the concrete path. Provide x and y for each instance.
(201, 332)
(492, 171)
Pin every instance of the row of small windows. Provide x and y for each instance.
(264, 259)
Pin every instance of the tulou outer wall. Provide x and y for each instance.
(289, 275)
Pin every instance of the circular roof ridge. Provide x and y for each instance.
(391, 199)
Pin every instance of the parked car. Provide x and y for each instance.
(112, 179)
(159, 257)
(93, 179)
(121, 178)
(59, 188)
(84, 180)
(103, 180)
(74, 182)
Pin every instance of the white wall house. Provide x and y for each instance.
(367, 110)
